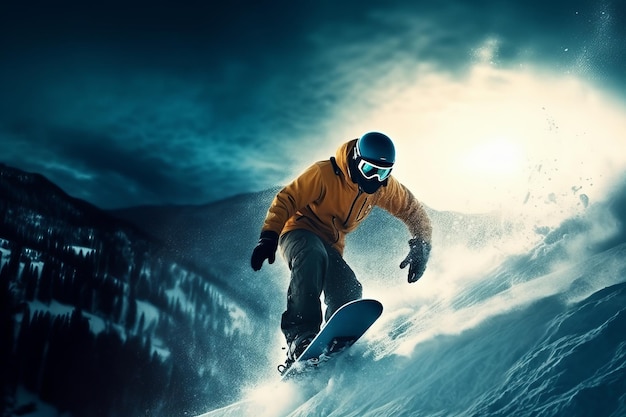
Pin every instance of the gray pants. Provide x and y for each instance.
(316, 268)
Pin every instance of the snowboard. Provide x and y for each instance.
(344, 328)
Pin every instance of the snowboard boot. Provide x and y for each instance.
(295, 348)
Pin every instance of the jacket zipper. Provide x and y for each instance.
(345, 223)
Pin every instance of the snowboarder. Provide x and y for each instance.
(310, 218)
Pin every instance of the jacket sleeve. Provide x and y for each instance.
(305, 189)
(400, 202)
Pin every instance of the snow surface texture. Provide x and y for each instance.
(533, 331)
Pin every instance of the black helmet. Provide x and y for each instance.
(372, 161)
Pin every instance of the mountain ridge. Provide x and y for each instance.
(75, 277)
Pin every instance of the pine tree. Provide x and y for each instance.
(44, 290)
(7, 340)
(131, 312)
(14, 261)
(32, 280)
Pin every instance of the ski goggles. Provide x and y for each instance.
(370, 170)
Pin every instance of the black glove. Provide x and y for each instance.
(417, 258)
(265, 249)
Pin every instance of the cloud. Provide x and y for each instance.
(127, 104)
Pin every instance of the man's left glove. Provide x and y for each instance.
(417, 258)
(265, 249)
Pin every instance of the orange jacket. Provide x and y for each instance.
(330, 205)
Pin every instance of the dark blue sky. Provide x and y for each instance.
(136, 103)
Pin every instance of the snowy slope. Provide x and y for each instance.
(535, 332)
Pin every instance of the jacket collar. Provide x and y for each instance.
(344, 152)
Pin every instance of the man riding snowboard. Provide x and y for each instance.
(310, 218)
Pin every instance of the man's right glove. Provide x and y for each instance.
(265, 249)
(417, 258)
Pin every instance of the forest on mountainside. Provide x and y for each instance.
(97, 319)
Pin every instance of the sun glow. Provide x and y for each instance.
(495, 157)
(501, 138)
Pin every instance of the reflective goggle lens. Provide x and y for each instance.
(370, 170)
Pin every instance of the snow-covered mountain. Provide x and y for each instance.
(511, 318)
(99, 318)
(218, 237)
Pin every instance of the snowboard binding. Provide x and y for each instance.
(340, 332)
